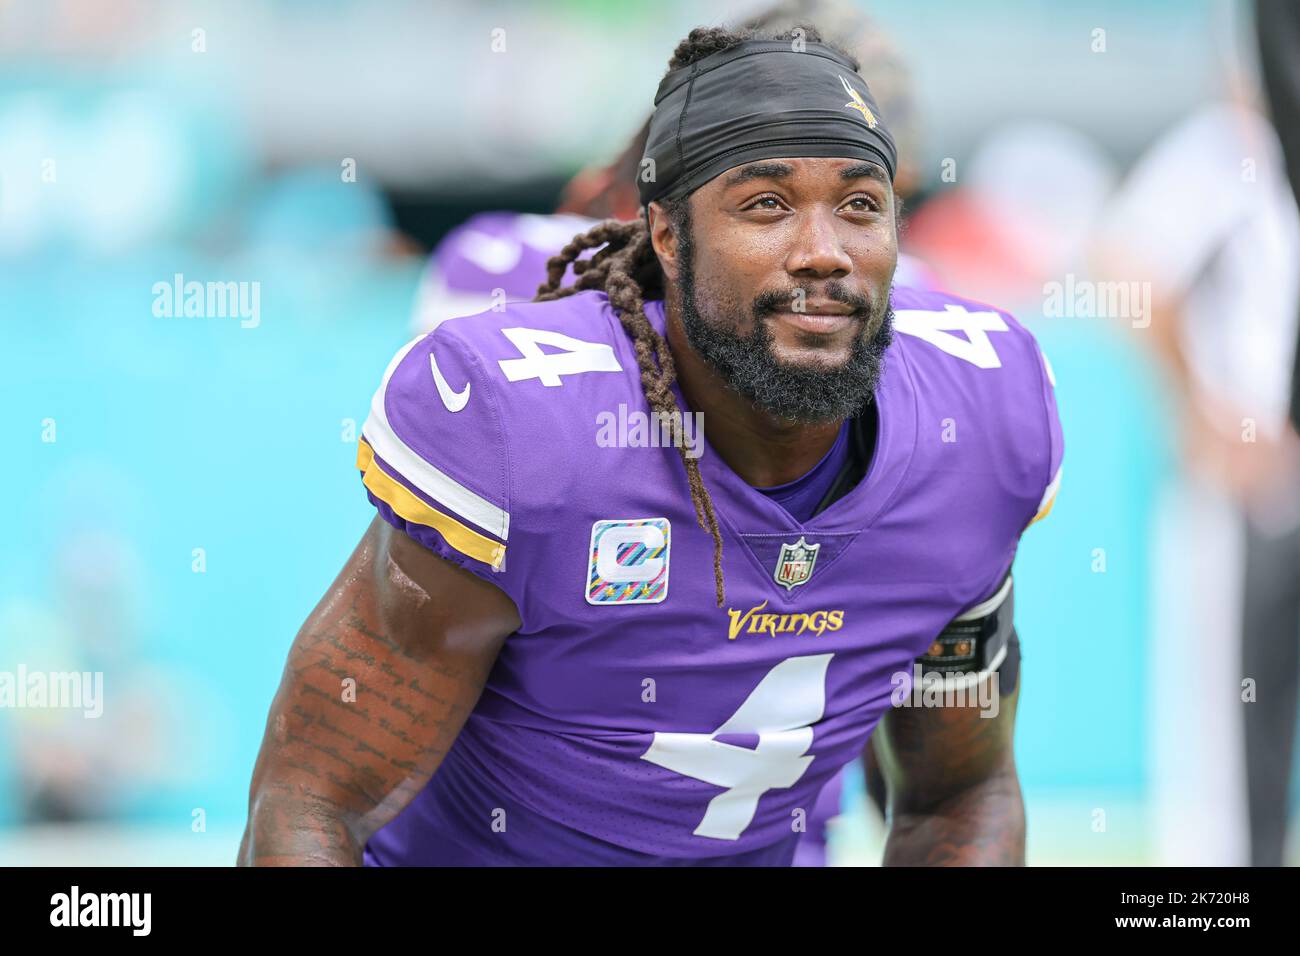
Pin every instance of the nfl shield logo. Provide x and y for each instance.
(794, 565)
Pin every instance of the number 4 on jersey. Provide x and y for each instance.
(576, 356)
(789, 699)
(937, 328)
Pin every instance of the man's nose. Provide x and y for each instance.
(817, 250)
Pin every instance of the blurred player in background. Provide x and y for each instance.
(498, 257)
(1277, 29)
(1207, 217)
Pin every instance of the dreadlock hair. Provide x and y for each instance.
(627, 270)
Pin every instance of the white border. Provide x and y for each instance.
(586, 564)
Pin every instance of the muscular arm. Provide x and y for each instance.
(418, 636)
(954, 797)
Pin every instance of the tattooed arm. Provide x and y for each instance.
(954, 797)
(417, 636)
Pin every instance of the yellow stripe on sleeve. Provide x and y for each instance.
(410, 507)
(1049, 497)
(1045, 510)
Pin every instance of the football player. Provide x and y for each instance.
(502, 255)
(831, 551)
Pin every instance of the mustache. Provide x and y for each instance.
(773, 301)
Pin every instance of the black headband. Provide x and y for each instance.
(758, 100)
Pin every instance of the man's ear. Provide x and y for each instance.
(663, 240)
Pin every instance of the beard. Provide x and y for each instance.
(808, 394)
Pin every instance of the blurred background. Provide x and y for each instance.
(181, 487)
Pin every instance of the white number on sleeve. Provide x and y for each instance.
(937, 328)
(577, 356)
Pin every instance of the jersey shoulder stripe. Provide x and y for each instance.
(410, 507)
(433, 462)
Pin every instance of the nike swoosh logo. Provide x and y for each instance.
(454, 401)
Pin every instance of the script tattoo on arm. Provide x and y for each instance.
(378, 684)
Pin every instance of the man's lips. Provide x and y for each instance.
(824, 323)
(823, 316)
(826, 307)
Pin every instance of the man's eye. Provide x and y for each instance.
(863, 204)
(759, 203)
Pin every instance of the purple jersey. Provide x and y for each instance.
(630, 719)
(811, 849)
(502, 255)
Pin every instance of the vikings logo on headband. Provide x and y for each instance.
(859, 104)
(758, 100)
